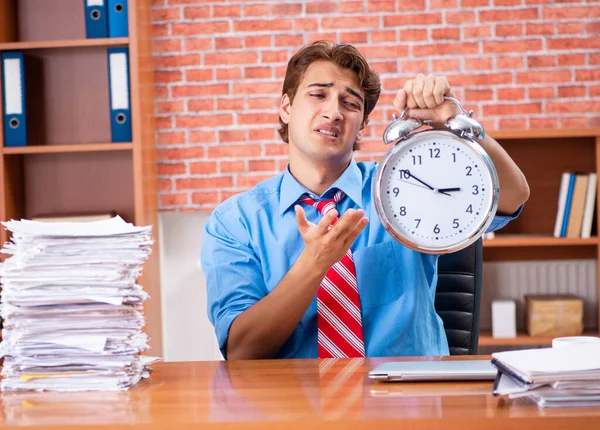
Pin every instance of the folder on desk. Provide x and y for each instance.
(13, 86)
(117, 18)
(96, 19)
(118, 82)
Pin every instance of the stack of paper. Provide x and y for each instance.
(551, 377)
(71, 307)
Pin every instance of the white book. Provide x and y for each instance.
(590, 204)
(562, 198)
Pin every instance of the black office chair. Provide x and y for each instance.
(458, 297)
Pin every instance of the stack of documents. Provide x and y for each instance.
(551, 377)
(71, 307)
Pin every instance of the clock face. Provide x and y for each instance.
(435, 192)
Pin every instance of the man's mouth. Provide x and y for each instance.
(327, 132)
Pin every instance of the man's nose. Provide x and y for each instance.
(331, 110)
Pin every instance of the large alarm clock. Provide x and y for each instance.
(436, 190)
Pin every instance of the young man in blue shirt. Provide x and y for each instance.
(264, 254)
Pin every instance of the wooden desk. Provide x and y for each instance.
(290, 394)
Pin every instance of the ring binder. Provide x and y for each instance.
(96, 22)
(118, 82)
(117, 18)
(13, 86)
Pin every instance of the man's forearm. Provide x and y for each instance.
(514, 190)
(260, 331)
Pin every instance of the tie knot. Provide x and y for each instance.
(325, 205)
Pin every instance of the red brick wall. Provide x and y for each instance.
(219, 66)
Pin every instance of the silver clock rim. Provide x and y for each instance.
(485, 158)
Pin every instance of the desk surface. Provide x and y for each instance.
(291, 394)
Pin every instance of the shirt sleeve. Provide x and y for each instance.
(500, 221)
(234, 280)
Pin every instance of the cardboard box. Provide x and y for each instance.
(553, 315)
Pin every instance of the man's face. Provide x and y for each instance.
(326, 115)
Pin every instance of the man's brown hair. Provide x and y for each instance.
(344, 56)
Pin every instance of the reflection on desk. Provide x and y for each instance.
(295, 394)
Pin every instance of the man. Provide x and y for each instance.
(268, 252)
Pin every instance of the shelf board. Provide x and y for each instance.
(76, 43)
(486, 339)
(507, 241)
(544, 133)
(84, 147)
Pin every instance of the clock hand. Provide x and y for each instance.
(441, 190)
(413, 184)
(427, 185)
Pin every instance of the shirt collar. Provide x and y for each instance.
(350, 182)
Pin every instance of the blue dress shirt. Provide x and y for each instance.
(251, 241)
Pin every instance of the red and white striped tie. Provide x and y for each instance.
(338, 304)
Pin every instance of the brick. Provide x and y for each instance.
(262, 25)
(227, 11)
(174, 138)
(383, 36)
(170, 169)
(275, 56)
(574, 43)
(511, 93)
(478, 95)
(229, 73)
(160, 92)
(195, 106)
(575, 122)
(413, 35)
(404, 6)
(594, 90)
(249, 181)
(261, 165)
(261, 134)
(353, 37)
(205, 198)
(229, 42)
(202, 137)
(232, 166)
(572, 91)
(513, 123)
(330, 37)
(464, 48)
(191, 29)
(512, 109)
(227, 136)
(233, 151)
(571, 28)
(321, 7)
(227, 194)
(572, 60)
(565, 12)
(166, 45)
(442, 65)
(257, 10)
(306, 24)
(510, 30)
(481, 79)
(218, 120)
(286, 9)
(161, 30)
(257, 72)
(543, 77)
(165, 185)
(594, 59)
(593, 27)
(461, 18)
(231, 104)
(288, 40)
(166, 14)
(507, 2)
(169, 107)
(199, 90)
(241, 57)
(197, 44)
(479, 63)
(180, 153)
(451, 33)
(203, 167)
(536, 61)
(257, 88)
(198, 75)
(587, 75)
(381, 5)
(351, 6)
(443, 4)
(257, 118)
(178, 199)
(534, 93)
(163, 77)
(164, 123)
(258, 41)
(176, 61)
(196, 12)
(262, 103)
(412, 66)
(539, 29)
(384, 66)
(543, 122)
(573, 107)
(412, 19)
(508, 15)
(385, 52)
(475, 3)
(200, 183)
(510, 62)
(276, 150)
(354, 22)
(512, 46)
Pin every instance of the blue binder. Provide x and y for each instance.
(13, 86)
(117, 18)
(118, 84)
(96, 19)
(565, 224)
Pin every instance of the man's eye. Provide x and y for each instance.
(317, 95)
(353, 105)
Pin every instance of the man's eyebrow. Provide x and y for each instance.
(330, 84)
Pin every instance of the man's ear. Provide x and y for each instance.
(284, 108)
(361, 130)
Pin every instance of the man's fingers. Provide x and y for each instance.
(428, 92)
(326, 221)
(303, 223)
(344, 226)
(358, 228)
(418, 86)
(400, 101)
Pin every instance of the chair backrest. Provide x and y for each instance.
(458, 297)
